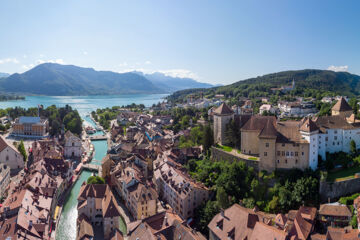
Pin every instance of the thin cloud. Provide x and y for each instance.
(124, 64)
(29, 66)
(179, 73)
(148, 62)
(9, 60)
(85, 52)
(59, 61)
(338, 68)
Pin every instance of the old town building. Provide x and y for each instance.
(30, 127)
(99, 205)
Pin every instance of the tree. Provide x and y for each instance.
(22, 150)
(232, 134)
(353, 146)
(208, 138)
(95, 180)
(222, 198)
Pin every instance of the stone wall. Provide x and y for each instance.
(221, 155)
(334, 190)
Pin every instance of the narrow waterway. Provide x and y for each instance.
(67, 226)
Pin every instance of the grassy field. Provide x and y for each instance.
(225, 148)
(343, 174)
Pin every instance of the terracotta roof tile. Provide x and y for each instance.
(334, 210)
(341, 106)
(223, 109)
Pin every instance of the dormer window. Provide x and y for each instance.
(231, 234)
(220, 224)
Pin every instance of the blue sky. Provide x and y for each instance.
(212, 41)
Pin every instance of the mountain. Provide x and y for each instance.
(4, 75)
(59, 80)
(171, 84)
(307, 82)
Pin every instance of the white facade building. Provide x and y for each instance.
(10, 156)
(73, 146)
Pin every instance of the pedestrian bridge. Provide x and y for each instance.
(98, 137)
(92, 167)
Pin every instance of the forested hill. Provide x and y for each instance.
(308, 82)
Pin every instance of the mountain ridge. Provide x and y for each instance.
(169, 83)
(57, 79)
(306, 82)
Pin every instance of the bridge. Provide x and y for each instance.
(92, 167)
(98, 137)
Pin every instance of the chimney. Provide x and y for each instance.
(222, 212)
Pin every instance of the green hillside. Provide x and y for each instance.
(308, 83)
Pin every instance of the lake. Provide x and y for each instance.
(86, 104)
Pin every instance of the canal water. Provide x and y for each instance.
(67, 226)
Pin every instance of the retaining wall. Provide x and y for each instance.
(334, 190)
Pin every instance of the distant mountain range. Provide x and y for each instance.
(168, 83)
(4, 75)
(56, 79)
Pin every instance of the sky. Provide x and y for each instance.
(218, 42)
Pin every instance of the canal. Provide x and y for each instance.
(66, 229)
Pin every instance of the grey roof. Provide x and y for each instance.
(25, 119)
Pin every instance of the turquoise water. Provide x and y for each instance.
(86, 104)
(67, 226)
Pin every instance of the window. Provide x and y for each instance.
(296, 161)
(7, 158)
(292, 154)
(283, 144)
(286, 161)
(278, 161)
(266, 144)
(335, 138)
(302, 153)
(278, 153)
(283, 153)
(326, 138)
(335, 132)
(287, 154)
(296, 154)
(265, 154)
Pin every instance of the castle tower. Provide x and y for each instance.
(341, 108)
(222, 116)
(267, 146)
(310, 132)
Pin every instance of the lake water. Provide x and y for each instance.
(86, 104)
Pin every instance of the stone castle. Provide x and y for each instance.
(291, 144)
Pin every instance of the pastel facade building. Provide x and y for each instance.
(30, 126)
(181, 192)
